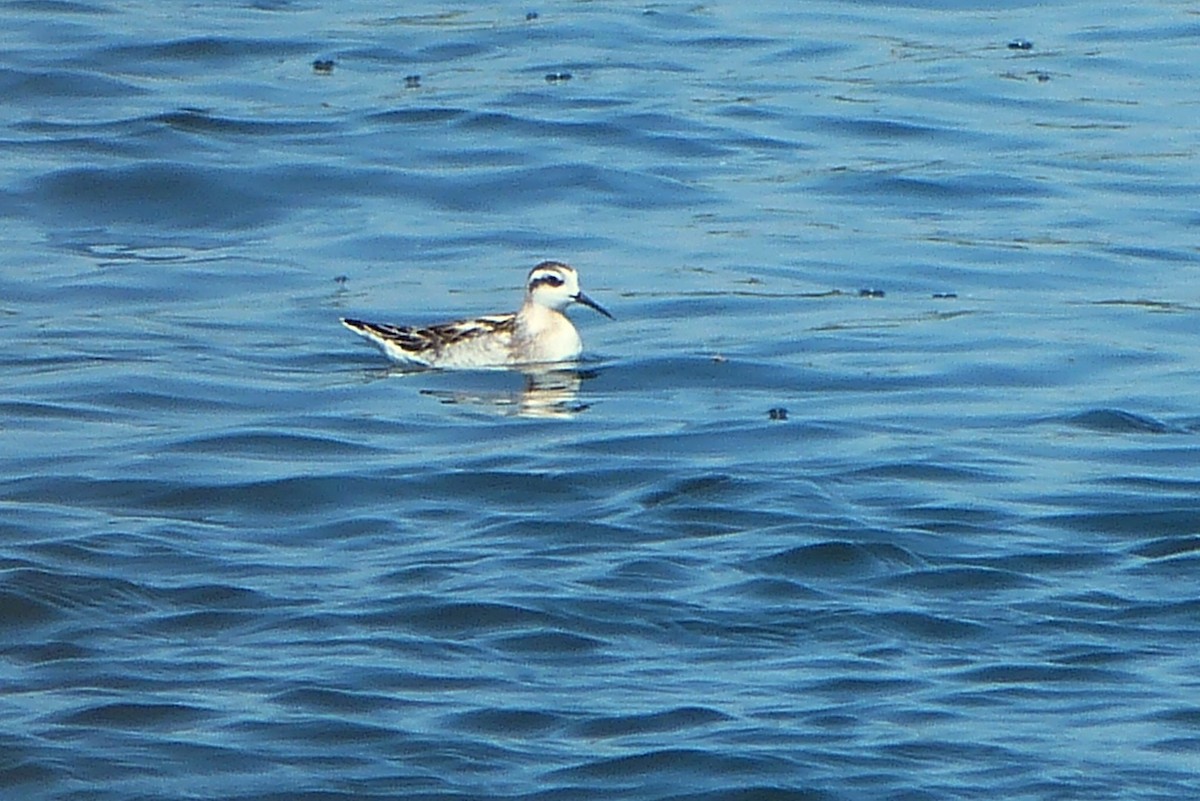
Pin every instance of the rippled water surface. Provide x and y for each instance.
(883, 483)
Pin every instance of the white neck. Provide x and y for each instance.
(534, 318)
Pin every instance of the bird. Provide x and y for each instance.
(538, 333)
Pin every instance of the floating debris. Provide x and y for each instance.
(1020, 44)
(871, 293)
(557, 77)
(412, 81)
(945, 295)
(778, 413)
(323, 66)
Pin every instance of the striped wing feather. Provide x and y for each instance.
(417, 339)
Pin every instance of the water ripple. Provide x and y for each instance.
(881, 484)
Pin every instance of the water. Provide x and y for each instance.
(883, 484)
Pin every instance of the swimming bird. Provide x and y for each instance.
(538, 333)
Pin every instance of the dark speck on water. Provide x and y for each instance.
(244, 557)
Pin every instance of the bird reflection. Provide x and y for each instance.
(547, 394)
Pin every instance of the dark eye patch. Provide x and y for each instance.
(549, 279)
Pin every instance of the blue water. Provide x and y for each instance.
(884, 483)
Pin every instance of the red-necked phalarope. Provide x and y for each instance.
(538, 333)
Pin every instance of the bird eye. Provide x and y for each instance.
(548, 280)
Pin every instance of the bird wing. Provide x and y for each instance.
(418, 339)
(450, 333)
(404, 337)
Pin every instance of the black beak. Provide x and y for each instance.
(591, 304)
